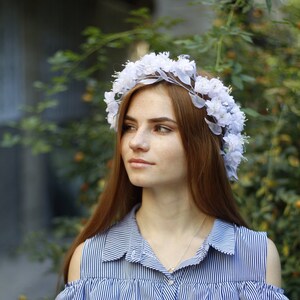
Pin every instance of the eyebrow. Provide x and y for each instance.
(152, 120)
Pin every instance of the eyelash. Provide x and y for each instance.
(127, 127)
(162, 128)
(157, 128)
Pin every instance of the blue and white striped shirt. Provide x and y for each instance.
(120, 264)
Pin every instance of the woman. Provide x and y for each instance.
(167, 226)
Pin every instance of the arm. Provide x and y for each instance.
(273, 268)
(74, 268)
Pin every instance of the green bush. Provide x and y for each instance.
(245, 46)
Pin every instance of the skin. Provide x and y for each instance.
(151, 134)
(154, 159)
(152, 150)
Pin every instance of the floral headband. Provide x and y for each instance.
(228, 119)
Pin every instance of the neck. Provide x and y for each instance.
(172, 225)
(165, 212)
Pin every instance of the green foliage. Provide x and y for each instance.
(41, 245)
(257, 55)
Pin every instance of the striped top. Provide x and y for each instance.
(120, 264)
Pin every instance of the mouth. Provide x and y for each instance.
(137, 162)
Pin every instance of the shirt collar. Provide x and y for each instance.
(124, 238)
(222, 237)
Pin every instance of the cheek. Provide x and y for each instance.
(176, 157)
(182, 161)
(122, 147)
(123, 143)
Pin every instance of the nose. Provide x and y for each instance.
(139, 141)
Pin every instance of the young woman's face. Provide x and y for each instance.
(151, 145)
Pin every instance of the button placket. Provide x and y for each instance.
(171, 282)
(170, 287)
(170, 279)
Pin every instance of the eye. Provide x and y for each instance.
(162, 129)
(127, 127)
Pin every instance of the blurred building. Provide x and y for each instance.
(30, 32)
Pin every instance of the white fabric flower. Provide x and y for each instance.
(109, 97)
(215, 107)
(202, 85)
(234, 142)
(113, 108)
(185, 65)
(111, 119)
(215, 87)
(224, 119)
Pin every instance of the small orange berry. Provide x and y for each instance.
(257, 13)
(84, 187)
(79, 156)
(83, 221)
(227, 71)
(218, 22)
(296, 274)
(87, 97)
(231, 54)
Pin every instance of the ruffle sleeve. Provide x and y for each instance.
(111, 289)
(261, 291)
(75, 290)
(247, 290)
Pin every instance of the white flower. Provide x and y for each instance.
(232, 161)
(123, 84)
(202, 85)
(112, 107)
(109, 97)
(111, 119)
(185, 65)
(227, 100)
(224, 119)
(150, 63)
(238, 120)
(234, 142)
(215, 107)
(215, 87)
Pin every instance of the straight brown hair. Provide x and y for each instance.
(207, 178)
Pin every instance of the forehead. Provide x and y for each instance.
(151, 103)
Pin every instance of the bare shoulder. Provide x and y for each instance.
(273, 272)
(74, 268)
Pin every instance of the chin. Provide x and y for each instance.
(140, 182)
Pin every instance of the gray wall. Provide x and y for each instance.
(30, 32)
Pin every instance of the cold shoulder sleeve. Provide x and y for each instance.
(89, 288)
(261, 291)
(75, 290)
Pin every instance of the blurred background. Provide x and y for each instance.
(56, 61)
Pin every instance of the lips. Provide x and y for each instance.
(137, 162)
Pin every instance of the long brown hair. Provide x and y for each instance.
(209, 185)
